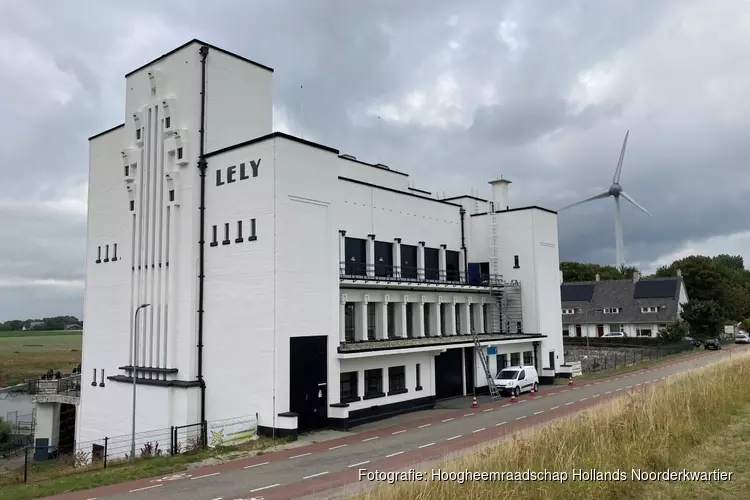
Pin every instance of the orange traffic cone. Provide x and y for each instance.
(512, 397)
(474, 403)
(570, 380)
(532, 391)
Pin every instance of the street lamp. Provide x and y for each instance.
(133, 374)
(586, 324)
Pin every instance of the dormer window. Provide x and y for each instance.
(649, 309)
(611, 310)
(568, 311)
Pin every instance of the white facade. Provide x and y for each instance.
(279, 214)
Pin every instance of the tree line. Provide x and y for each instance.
(44, 324)
(718, 288)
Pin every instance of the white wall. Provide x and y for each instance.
(373, 175)
(631, 330)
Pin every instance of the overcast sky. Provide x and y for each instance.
(539, 92)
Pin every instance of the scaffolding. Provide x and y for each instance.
(506, 311)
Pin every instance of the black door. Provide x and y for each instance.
(67, 429)
(355, 257)
(448, 378)
(469, 357)
(308, 373)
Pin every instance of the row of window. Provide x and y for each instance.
(614, 310)
(106, 254)
(349, 384)
(645, 331)
(239, 239)
(170, 194)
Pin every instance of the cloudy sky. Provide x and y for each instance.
(454, 93)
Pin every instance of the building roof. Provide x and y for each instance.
(627, 295)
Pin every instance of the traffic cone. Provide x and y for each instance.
(512, 397)
(570, 380)
(474, 403)
(532, 391)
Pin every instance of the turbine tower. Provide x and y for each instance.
(615, 191)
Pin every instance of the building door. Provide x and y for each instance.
(600, 330)
(308, 374)
(448, 376)
(578, 331)
(67, 429)
(470, 369)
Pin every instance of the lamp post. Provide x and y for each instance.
(585, 323)
(133, 374)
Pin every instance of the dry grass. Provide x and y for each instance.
(653, 429)
(29, 355)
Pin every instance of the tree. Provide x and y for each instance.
(701, 275)
(673, 332)
(703, 317)
(580, 271)
(5, 431)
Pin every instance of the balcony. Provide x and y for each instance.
(62, 390)
(439, 342)
(357, 273)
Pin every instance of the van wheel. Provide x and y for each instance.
(536, 387)
(517, 391)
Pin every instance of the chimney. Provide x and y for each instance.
(679, 272)
(636, 276)
(500, 193)
(598, 278)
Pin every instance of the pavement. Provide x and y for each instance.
(330, 468)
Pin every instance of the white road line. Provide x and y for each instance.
(488, 409)
(337, 447)
(618, 389)
(637, 385)
(370, 439)
(426, 445)
(662, 378)
(423, 426)
(447, 419)
(507, 404)
(501, 423)
(564, 390)
(255, 465)
(205, 475)
(398, 432)
(608, 392)
(454, 437)
(538, 412)
(596, 395)
(217, 498)
(360, 463)
(519, 418)
(597, 383)
(316, 475)
(145, 488)
(299, 456)
(583, 399)
(264, 488)
(568, 404)
(468, 414)
(551, 393)
(394, 454)
(629, 387)
(554, 408)
(479, 430)
(523, 401)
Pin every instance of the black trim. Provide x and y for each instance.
(207, 45)
(398, 391)
(149, 370)
(420, 191)
(465, 196)
(288, 414)
(375, 395)
(339, 405)
(107, 131)
(266, 137)
(279, 433)
(530, 207)
(379, 167)
(462, 213)
(345, 401)
(468, 339)
(418, 388)
(183, 384)
(202, 166)
(546, 380)
(396, 191)
(238, 240)
(378, 412)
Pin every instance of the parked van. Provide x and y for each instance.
(517, 379)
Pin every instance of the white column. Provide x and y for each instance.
(478, 313)
(342, 320)
(401, 319)
(418, 319)
(465, 325)
(360, 321)
(450, 318)
(462, 267)
(435, 319)
(370, 255)
(420, 260)
(442, 274)
(342, 252)
(381, 325)
(397, 258)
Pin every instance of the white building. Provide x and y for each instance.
(286, 279)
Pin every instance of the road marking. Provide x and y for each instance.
(637, 385)
(426, 445)
(597, 383)
(454, 437)
(299, 456)
(662, 378)
(361, 463)
(629, 387)
(608, 392)
(519, 418)
(370, 439)
(206, 475)
(538, 412)
(264, 488)
(618, 389)
(507, 404)
(423, 426)
(488, 409)
(398, 432)
(255, 465)
(447, 419)
(479, 430)
(468, 414)
(523, 401)
(551, 393)
(583, 399)
(145, 488)
(596, 395)
(564, 390)
(337, 447)
(501, 423)
(316, 475)
(217, 498)
(554, 408)
(394, 454)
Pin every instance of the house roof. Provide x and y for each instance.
(627, 295)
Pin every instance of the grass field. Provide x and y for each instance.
(29, 354)
(696, 421)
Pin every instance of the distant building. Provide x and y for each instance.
(32, 325)
(637, 307)
(75, 326)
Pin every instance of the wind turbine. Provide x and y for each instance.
(615, 190)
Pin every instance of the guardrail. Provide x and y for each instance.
(410, 274)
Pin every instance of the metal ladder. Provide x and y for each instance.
(495, 291)
(494, 391)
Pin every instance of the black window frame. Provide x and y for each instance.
(98, 254)
(391, 327)
(409, 261)
(372, 320)
(397, 379)
(349, 387)
(452, 265)
(373, 383)
(253, 235)
(355, 248)
(515, 359)
(516, 264)
(239, 238)
(431, 264)
(214, 233)
(167, 122)
(350, 322)
(418, 373)
(409, 320)
(528, 358)
(383, 259)
(114, 252)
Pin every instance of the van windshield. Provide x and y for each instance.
(507, 374)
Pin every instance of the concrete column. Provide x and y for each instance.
(360, 319)
(48, 423)
(478, 312)
(370, 255)
(450, 318)
(442, 271)
(465, 326)
(342, 321)
(397, 258)
(381, 327)
(462, 268)
(435, 319)
(401, 319)
(342, 252)
(418, 319)
(420, 260)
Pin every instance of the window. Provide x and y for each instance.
(442, 319)
(179, 153)
(214, 241)
(515, 262)
(167, 122)
(391, 310)
(132, 205)
(239, 232)
(528, 358)
(409, 319)
(137, 134)
(615, 328)
(383, 258)
(106, 253)
(171, 195)
(114, 252)
(355, 252)
(452, 271)
(349, 322)
(568, 311)
(515, 359)
(419, 377)
(458, 319)
(252, 236)
(374, 383)
(644, 332)
(426, 319)
(408, 261)
(611, 310)
(98, 254)
(502, 361)
(349, 387)
(371, 321)
(226, 234)
(486, 319)
(566, 331)
(552, 360)
(396, 380)
(127, 170)
(472, 308)
(649, 309)
(431, 264)
(93, 383)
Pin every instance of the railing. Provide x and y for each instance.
(410, 274)
(68, 386)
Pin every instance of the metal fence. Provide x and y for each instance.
(37, 462)
(21, 428)
(597, 357)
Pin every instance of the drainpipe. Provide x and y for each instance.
(462, 212)
(201, 242)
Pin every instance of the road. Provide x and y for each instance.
(328, 465)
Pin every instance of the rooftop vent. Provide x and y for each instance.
(382, 166)
(348, 157)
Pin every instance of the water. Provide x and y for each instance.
(21, 403)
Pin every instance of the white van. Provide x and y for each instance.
(517, 379)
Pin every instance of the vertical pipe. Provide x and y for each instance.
(201, 242)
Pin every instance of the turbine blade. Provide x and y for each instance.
(618, 170)
(599, 196)
(631, 200)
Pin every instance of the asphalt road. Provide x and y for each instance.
(325, 466)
